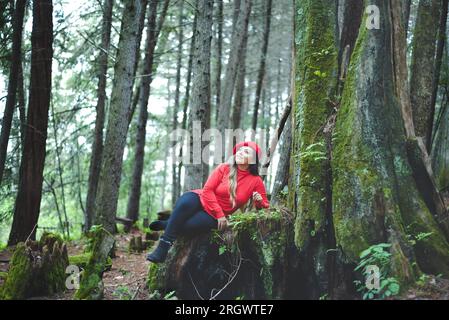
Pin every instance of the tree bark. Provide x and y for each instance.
(111, 168)
(263, 61)
(198, 123)
(375, 194)
(147, 78)
(186, 101)
(27, 207)
(97, 146)
(423, 64)
(13, 82)
(176, 108)
(237, 42)
(436, 78)
(219, 44)
(240, 85)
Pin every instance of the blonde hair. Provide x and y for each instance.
(232, 179)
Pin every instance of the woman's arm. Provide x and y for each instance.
(208, 198)
(260, 188)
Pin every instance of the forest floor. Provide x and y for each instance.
(126, 280)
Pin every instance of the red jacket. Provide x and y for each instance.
(215, 194)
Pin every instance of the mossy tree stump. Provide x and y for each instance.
(91, 284)
(36, 269)
(255, 259)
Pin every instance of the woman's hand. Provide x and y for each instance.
(257, 196)
(222, 223)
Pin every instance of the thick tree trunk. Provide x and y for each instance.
(13, 82)
(97, 146)
(423, 64)
(111, 168)
(316, 83)
(195, 170)
(356, 176)
(256, 260)
(27, 207)
(375, 198)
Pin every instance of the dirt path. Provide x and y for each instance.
(127, 277)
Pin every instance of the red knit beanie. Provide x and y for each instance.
(250, 144)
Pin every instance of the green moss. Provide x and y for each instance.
(3, 275)
(80, 260)
(153, 280)
(49, 239)
(19, 275)
(316, 65)
(91, 285)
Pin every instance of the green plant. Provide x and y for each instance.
(123, 293)
(314, 151)
(378, 257)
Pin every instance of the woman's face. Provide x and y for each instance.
(245, 155)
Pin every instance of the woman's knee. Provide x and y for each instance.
(200, 222)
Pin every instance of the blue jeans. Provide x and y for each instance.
(188, 218)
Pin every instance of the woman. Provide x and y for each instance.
(228, 188)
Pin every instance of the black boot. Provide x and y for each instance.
(158, 225)
(160, 253)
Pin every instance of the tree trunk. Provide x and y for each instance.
(111, 168)
(97, 146)
(440, 143)
(200, 96)
(219, 44)
(258, 260)
(423, 64)
(237, 43)
(436, 78)
(136, 182)
(27, 207)
(316, 82)
(282, 173)
(263, 61)
(185, 103)
(374, 196)
(356, 175)
(13, 82)
(240, 85)
(175, 183)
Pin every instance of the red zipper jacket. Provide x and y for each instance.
(215, 194)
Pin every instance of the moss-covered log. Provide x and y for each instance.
(91, 284)
(256, 259)
(36, 269)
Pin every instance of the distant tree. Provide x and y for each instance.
(201, 100)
